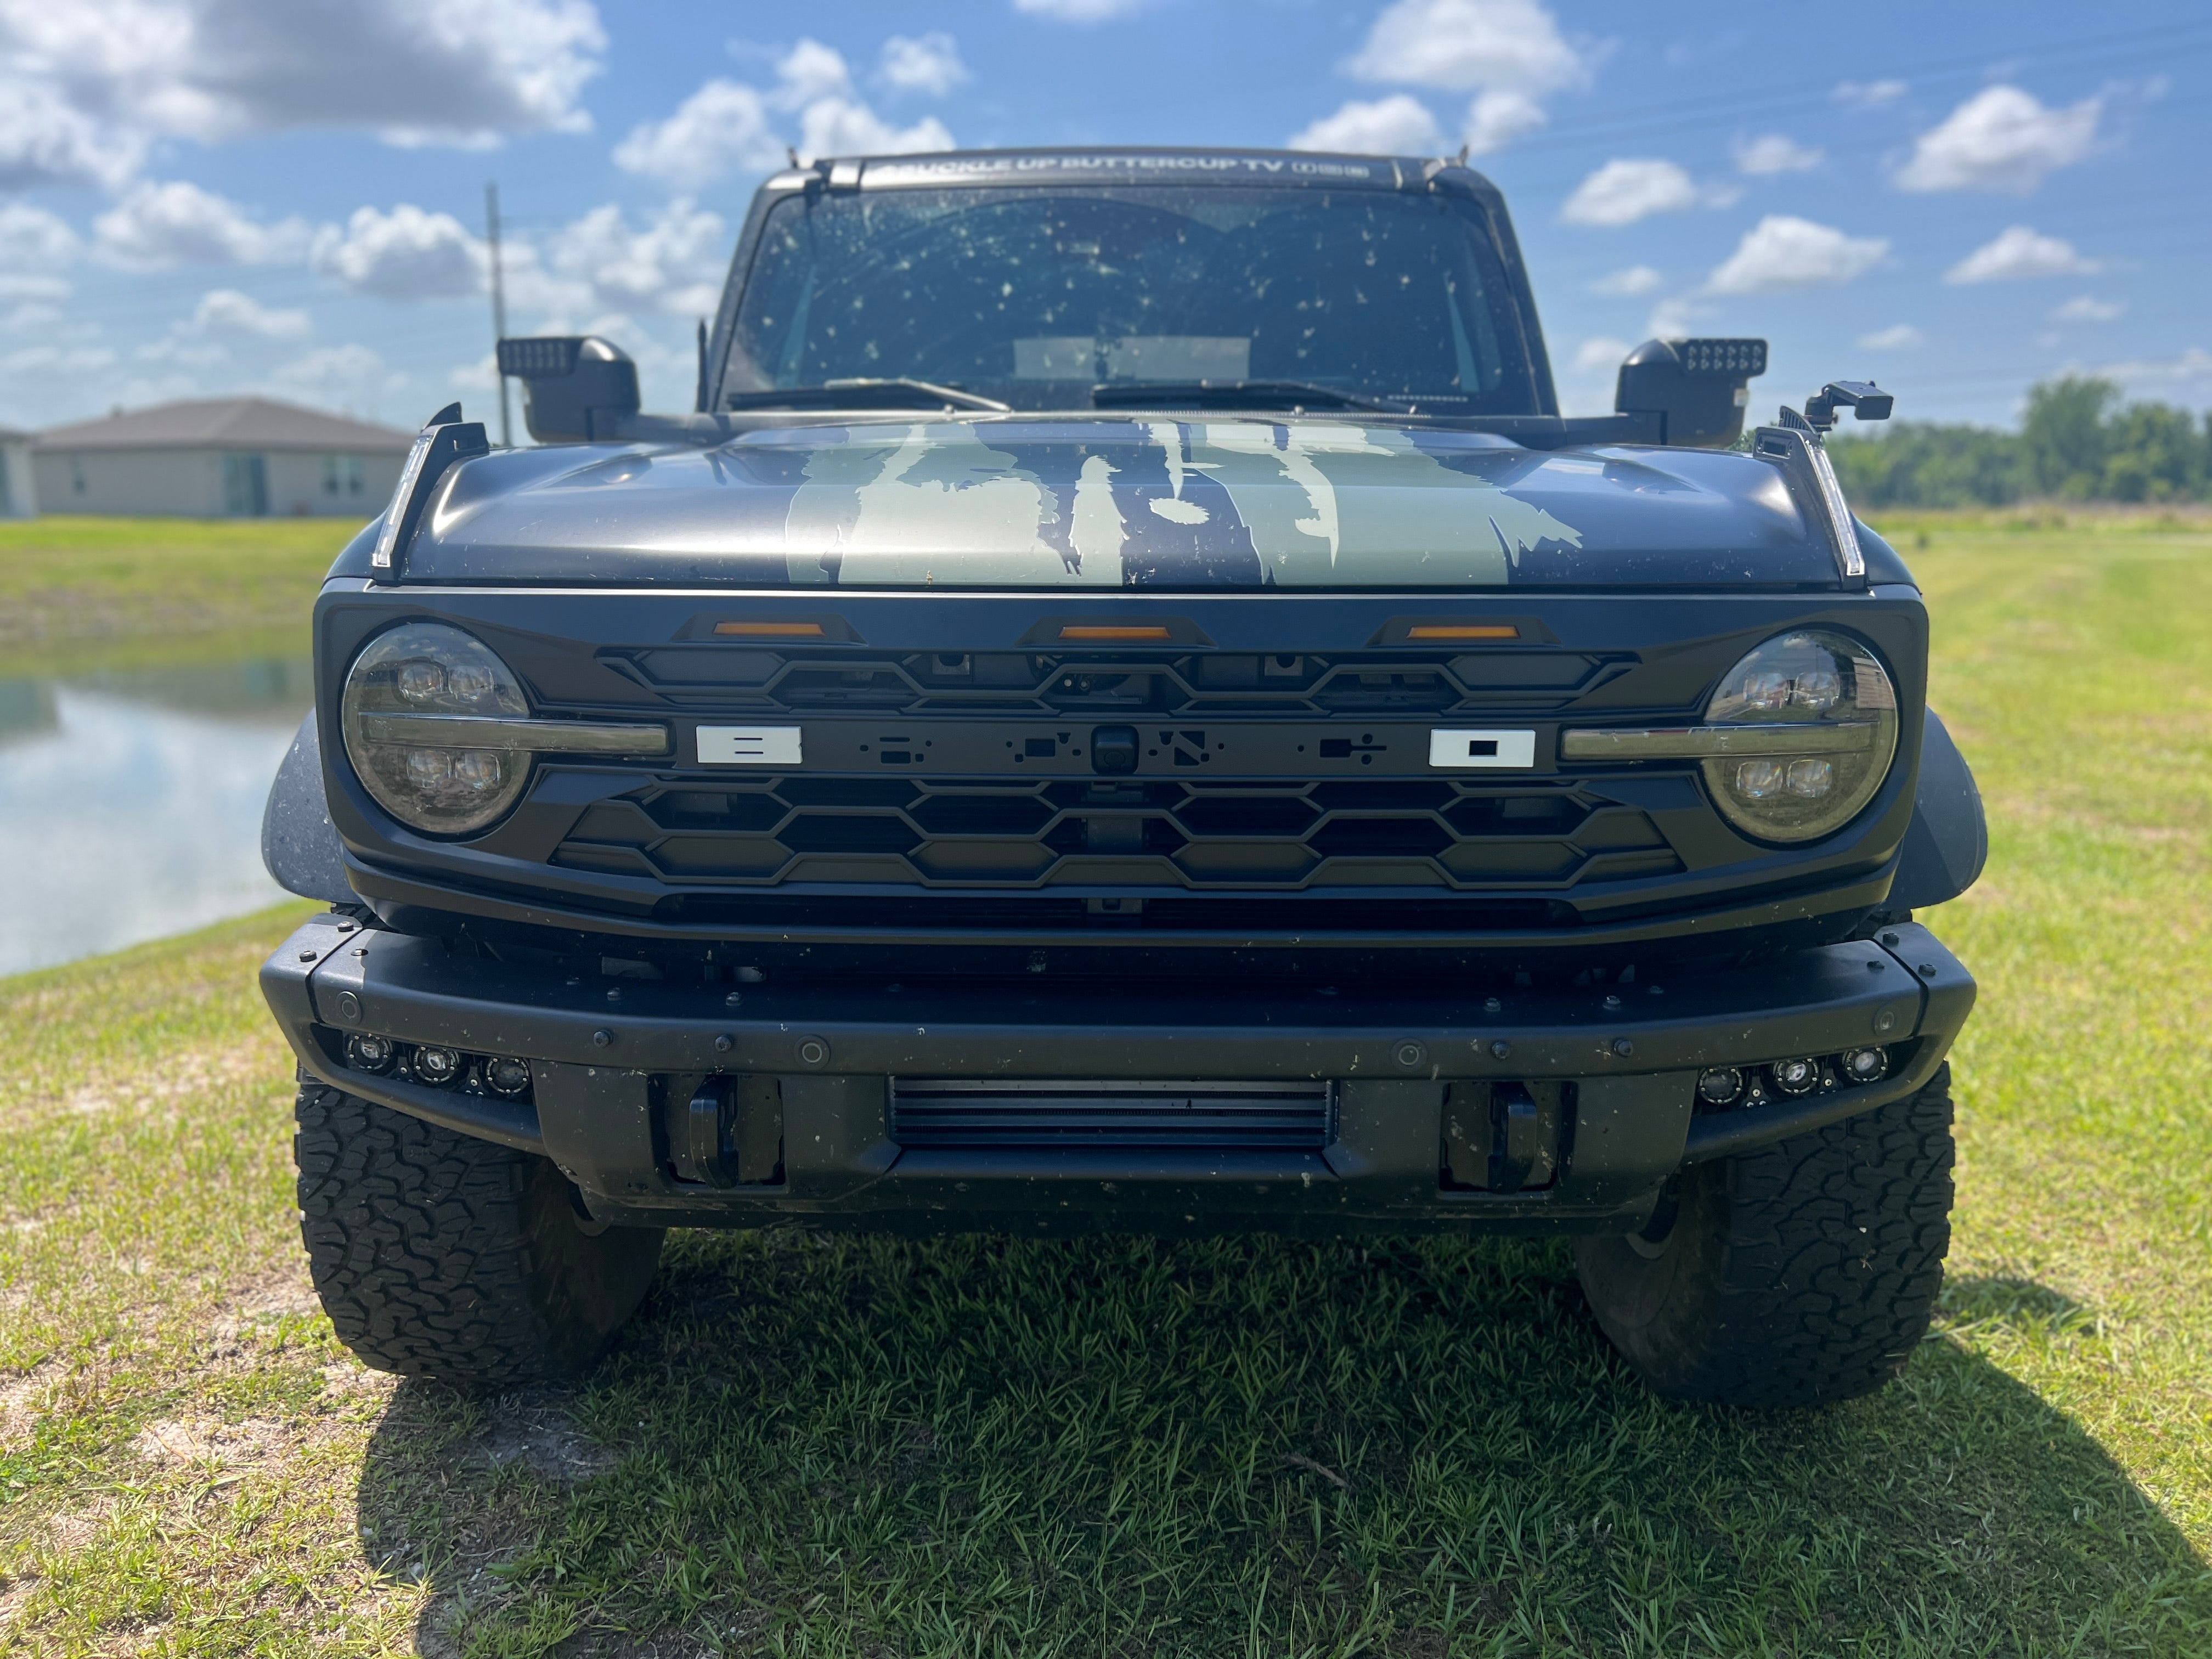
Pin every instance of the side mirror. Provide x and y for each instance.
(576, 389)
(1699, 388)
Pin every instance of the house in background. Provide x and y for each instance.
(19, 497)
(237, 457)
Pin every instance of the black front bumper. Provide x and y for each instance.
(612, 1062)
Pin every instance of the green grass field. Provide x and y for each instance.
(984, 1447)
(79, 593)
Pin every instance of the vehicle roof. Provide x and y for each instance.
(1151, 164)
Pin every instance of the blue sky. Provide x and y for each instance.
(200, 197)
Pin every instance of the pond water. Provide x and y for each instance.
(130, 803)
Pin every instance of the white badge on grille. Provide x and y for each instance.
(748, 745)
(1458, 748)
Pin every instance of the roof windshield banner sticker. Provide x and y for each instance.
(929, 170)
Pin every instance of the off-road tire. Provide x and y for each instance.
(437, 1255)
(1797, 1275)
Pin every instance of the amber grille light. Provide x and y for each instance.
(772, 630)
(1115, 634)
(1463, 631)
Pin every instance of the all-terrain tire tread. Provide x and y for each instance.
(1834, 1254)
(414, 1241)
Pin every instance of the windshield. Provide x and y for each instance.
(1035, 297)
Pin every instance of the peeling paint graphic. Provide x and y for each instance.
(1293, 504)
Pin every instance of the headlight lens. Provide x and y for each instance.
(1830, 718)
(428, 668)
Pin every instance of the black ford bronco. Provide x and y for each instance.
(1126, 706)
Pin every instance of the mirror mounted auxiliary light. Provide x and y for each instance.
(1698, 389)
(576, 388)
(445, 438)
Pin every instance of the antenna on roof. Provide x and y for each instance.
(791, 151)
(498, 308)
(1463, 149)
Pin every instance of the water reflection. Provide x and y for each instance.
(130, 803)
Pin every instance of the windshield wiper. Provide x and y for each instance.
(896, 392)
(1229, 394)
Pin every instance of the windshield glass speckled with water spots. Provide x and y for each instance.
(1034, 296)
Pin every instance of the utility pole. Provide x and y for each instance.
(498, 309)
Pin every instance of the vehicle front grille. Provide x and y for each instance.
(759, 682)
(1139, 833)
(945, 1115)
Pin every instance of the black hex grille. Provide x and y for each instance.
(821, 680)
(1142, 833)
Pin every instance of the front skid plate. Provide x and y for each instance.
(604, 1057)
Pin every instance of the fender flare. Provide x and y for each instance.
(1948, 840)
(299, 843)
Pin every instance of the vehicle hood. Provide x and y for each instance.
(1112, 503)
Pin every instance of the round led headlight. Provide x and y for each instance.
(407, 717)
(1810, 728)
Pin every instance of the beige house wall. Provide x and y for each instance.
(189, 483)
(19, 489)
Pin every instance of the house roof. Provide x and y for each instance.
(225, 423)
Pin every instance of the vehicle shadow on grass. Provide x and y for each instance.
(856, 1444)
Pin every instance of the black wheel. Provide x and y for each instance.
(437, 1255)
(1797, 1275)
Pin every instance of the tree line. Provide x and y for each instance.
(2078, 442)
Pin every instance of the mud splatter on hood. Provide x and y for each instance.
(1108, 502)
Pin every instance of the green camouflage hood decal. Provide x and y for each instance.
(1315, 504)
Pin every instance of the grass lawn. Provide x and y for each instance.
(837, 1446)
(131, 593)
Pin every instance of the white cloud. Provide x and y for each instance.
(1869, 95)
(14, 286)
(1078, 11)
(46, 140)
(845, 126)
(1465, 45)
(928, 63)
(1622, 191)
(1772, 153)
(1498, 116)
(58, 359)
(1676, 317)
(2018, 252)
(1783, 252)
(1601, 353)
(727, 127)
(412, 70)
(2191, 367)
(405, 254)
(1898, 337)
(1399, 124)
(1628, 283)
(2088, 308)
(349, 377)
(32, 238)
(723, 127)
(179, 223)
(227, 311)
(31, 314)
(2003, 139)
(183, 352)
(673, 263)
(810, 70)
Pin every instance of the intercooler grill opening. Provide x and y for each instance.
(980, 1116)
